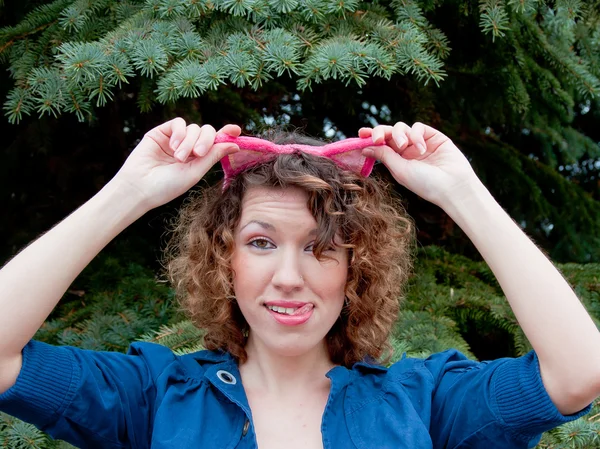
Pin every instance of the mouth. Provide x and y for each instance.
(290, 311)
(290, 316)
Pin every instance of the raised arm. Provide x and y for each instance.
(557, 325)
(559, 328)
(33, 282)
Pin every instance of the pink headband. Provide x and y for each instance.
(346, 153)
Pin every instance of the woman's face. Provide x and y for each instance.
(274, 266)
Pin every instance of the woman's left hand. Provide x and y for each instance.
(423, 160)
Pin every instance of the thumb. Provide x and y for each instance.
(217, 152)
(395, 163)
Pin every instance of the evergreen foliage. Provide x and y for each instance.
(72, 55)
(513, 82)
(516, 81)
(537, 196)
(186, 48)
(115, 304)
(450, 300)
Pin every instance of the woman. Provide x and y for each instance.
(293, 266)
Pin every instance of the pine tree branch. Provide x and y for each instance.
(8, 44)
(590, 83)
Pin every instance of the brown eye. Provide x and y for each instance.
(263, 243)
(330, 248)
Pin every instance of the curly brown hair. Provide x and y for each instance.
(374, 226)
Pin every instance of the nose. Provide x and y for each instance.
(288, 271)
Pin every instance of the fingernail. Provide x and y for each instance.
(175, 144)
(368, 153)
(200, 150)
(179, 155)
(230, 150)
(402, 141)
(421, 148)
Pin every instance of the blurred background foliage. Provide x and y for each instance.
(515, 84)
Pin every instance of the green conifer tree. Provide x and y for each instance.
(515, 80)
(522, 79)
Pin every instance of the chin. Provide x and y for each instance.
(291, 350)
(294, 346)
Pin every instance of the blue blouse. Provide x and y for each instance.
(151, 398)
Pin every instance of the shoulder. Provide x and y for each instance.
(413, 379)
(396, 400)
(163, 360)
(431, 367)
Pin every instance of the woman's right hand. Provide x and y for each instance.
(171, 159)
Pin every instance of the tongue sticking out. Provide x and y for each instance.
(304, 309)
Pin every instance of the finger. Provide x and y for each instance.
(159, 138)
(382, 133)
(417, 135)
(167, 127)
(187, 144)
(232, 130)
(430, 132)
(413, 145)
(217, 152)
(433, 138)
(395, 136)
(399, 134)
(205, 141)
(395, 163)
(163, 133)
(365, 132)
(174, 130)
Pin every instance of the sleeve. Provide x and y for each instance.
(91, 399)
(495, 404)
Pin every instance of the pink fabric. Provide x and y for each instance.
(345, 153)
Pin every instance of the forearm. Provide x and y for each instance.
(33, 282)
(557, 325)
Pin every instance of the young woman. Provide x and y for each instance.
(294, 266)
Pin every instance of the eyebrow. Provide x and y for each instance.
(270, 227)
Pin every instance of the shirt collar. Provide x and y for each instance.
(212, 356)
(368, 367)
(224, 374)
(368, 364)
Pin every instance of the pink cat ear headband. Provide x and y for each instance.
(346, 153)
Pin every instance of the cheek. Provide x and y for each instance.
(246, 273)
(329, 282)
(238, 270)
(331, 273)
